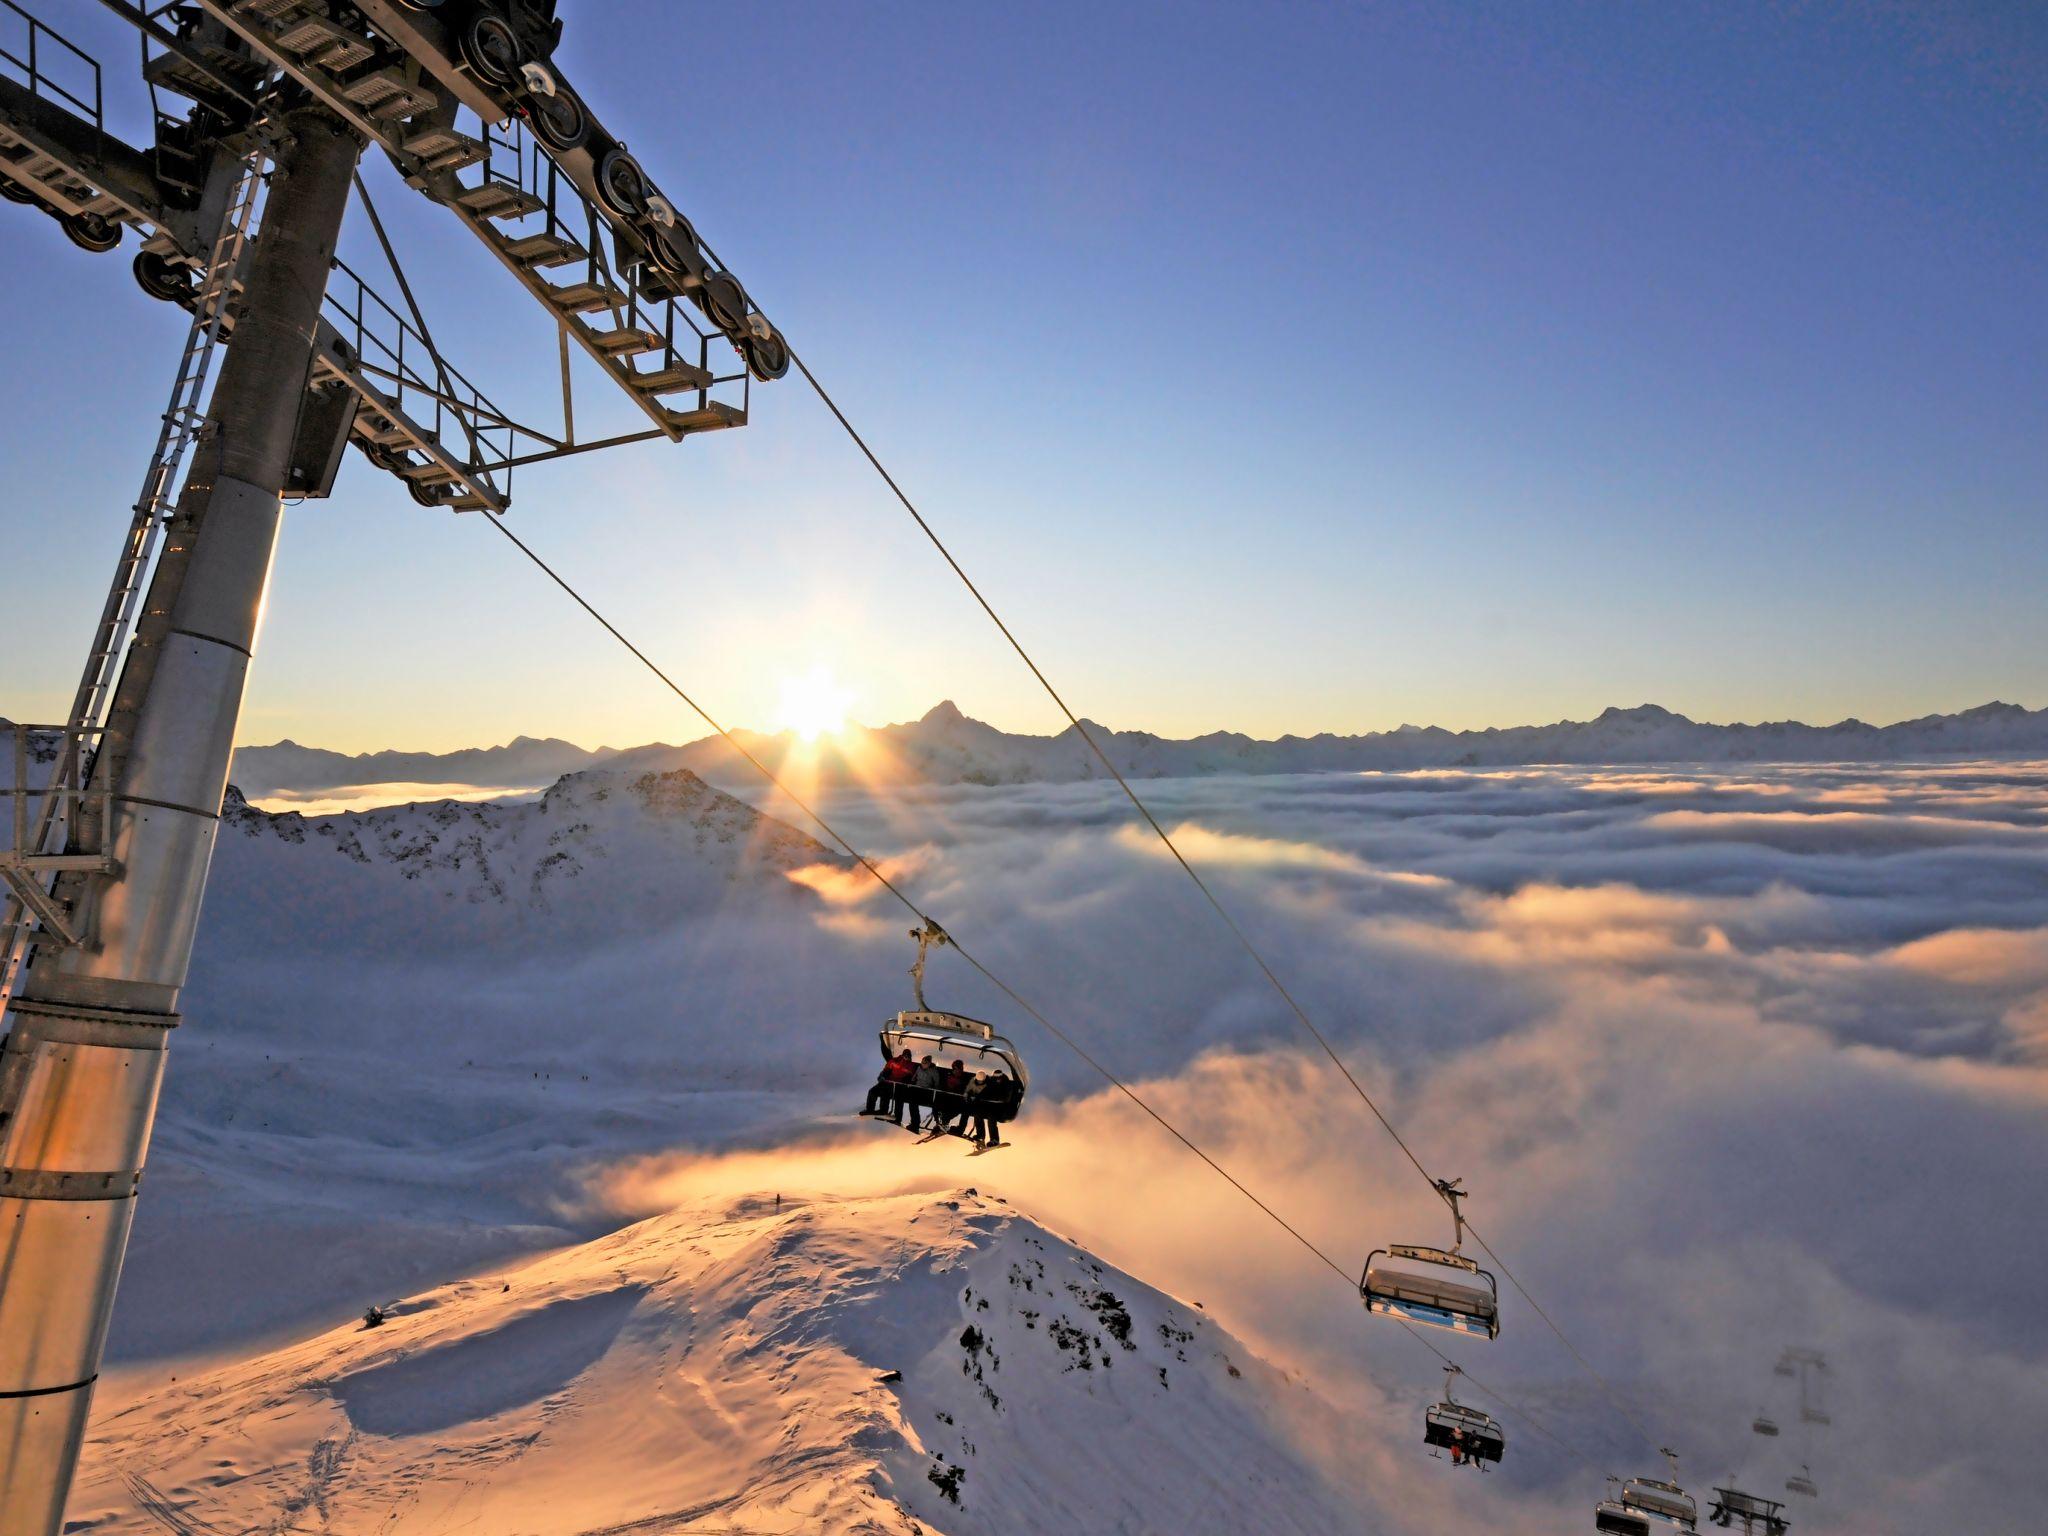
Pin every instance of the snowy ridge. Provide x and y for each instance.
(948, 747)
(726, 1369)
(655, 832)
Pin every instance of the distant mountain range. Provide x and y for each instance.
(948, 747)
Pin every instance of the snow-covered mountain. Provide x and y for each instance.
(661, 838)
(893, 1364)
(948, 747)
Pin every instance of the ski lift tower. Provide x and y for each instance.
(261, 111)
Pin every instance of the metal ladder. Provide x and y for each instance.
(30, 867)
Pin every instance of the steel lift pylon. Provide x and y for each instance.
(114, 812)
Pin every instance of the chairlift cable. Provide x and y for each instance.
(497, 521)
(1243, 939)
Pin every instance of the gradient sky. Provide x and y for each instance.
(1275, 368)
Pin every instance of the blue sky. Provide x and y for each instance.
(1276, 368)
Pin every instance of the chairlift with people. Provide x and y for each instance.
(992, 1070)
(1764, 1424)
(1470, 1436)
(1756, 1514)
(1437, 1287)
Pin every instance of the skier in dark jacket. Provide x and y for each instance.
(924, 1083)
(949, 1103)
(991, 1099)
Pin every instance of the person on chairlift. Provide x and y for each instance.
(919, 1094)
(988, 1097)
(897, 1071)
(949, 1107)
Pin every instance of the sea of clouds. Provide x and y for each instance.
(1728, 1059)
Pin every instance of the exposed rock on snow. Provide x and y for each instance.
(724, 1369)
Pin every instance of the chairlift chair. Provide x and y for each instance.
(1649, 1506)
(1451, 1423)
(1757, 1514)
(950, 1037)
(1762, 1424)
(1437, 1287)
(1801, 1483)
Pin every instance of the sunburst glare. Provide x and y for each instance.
(813, 705)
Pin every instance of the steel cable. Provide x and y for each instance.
(1223, 913)
(1108, 1076)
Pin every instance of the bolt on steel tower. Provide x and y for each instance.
(114, 812)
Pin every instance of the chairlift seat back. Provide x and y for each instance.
(1618, 1520)
(1432, 1287)
(1659, 1498)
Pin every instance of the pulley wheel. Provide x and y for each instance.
(162, 278)
(15, 192)
(94, 231)
(491, 48)
(675, 249)
(725, 301)
(622, 184)
(767, 356)
(558, 121)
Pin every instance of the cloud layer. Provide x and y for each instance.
(1728, 1060)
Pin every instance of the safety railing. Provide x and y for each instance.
(405, 367)
(49, 783)
(28, 47)
(515, 159)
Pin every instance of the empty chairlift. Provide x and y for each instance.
(1470, 1436)
(1648, 1506)
(1764, 1424)
(1801, 1483)
(1437, 1287)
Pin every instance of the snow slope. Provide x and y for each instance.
(666, 842)
(948, 747)
(723, 1368)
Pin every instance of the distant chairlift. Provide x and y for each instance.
(1469, 1434)
(951, 1037)
(1801, 1483)
(1756, 1514)
(1811, 1367)
(1764, 1424)
(1649, 1506)
(1437, 1287)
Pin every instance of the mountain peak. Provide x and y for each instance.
(945, 712)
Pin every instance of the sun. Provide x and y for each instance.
(814, 705)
